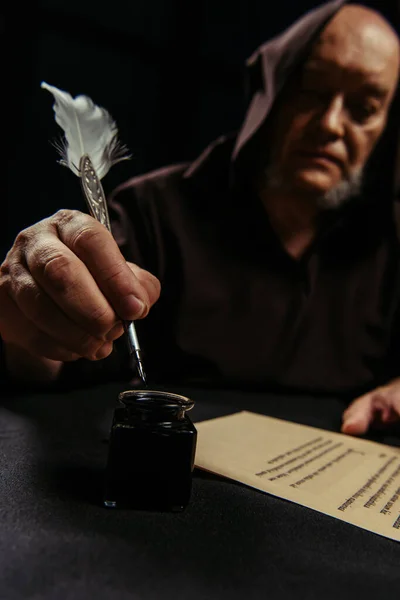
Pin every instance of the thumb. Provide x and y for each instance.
(150, 284)
(358, 416)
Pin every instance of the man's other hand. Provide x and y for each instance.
(379, 407)
(64, 286)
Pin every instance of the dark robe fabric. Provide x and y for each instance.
(235, 309)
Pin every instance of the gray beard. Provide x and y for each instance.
(273, 179)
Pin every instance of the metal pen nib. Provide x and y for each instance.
(140, 369)
(134, 348)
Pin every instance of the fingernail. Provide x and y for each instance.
(350, 426)
(114, 333)
(131, 307)
(104, 351)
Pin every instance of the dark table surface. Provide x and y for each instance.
(58, 542)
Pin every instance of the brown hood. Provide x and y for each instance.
(268, 70)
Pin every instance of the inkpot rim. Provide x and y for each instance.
(153, 404)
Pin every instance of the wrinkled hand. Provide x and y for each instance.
(62, 285)
(379, 407)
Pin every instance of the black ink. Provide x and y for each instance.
(152, 451)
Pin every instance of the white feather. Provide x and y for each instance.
(88, 129)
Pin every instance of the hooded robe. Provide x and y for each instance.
(236, 310)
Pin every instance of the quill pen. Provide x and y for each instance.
(90, 148)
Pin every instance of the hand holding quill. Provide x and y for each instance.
(90, 148)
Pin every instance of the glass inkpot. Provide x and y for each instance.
(151, 452)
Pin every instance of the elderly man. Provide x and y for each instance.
(277, 250)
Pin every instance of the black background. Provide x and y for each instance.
(169, 71)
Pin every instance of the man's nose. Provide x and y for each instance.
(332, 119)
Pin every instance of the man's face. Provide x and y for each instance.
(334, 111)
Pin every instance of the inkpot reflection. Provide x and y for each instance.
(151, 453)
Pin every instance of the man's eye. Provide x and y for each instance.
(363, 111)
